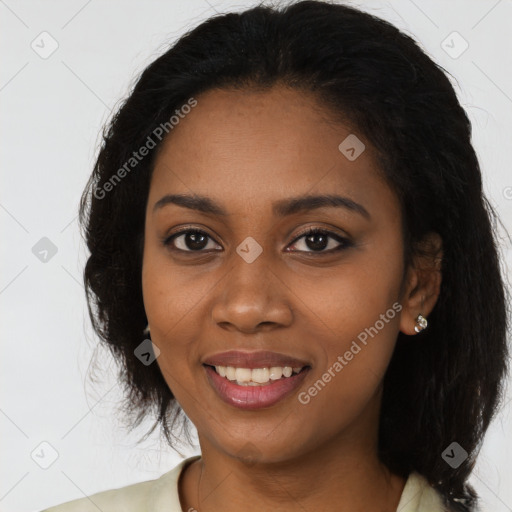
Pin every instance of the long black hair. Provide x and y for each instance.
(441, 387)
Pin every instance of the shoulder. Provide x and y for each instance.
(152, 495)
(419, 496)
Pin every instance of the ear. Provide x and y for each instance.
(423, 282)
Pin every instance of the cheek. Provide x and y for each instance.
(357, 316)
(167, 301)
(353, 297)
(347, 383)
(170, 292)
(167, 306)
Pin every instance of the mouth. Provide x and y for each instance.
(256, 376)
(254, 388)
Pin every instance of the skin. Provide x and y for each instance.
(245, 150)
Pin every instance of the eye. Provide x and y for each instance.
(188, 240)
(318, 240)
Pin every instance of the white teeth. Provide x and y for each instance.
(260, 375)
(276, 372)
(243, 374)
(256, 376)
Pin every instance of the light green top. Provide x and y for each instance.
(161, 495)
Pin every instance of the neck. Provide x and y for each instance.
(341, 477)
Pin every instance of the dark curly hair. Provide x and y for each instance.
(444, 387)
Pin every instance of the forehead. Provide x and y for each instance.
(249, 147)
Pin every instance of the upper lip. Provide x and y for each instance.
(259, 359)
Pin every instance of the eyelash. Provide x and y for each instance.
(344, 242)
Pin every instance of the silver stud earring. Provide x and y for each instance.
(146, 330)
(421, 323)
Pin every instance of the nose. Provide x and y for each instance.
(251, 298)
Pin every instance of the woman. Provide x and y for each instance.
(288, 204)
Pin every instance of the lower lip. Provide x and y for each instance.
(254, 397)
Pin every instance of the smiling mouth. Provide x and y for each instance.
(256, 376)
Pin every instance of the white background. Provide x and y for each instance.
(52, 113)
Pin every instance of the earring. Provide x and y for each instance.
(421, 322)
(146, 330)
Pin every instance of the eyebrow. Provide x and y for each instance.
(280, 208)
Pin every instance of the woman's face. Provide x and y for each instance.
(251, 281)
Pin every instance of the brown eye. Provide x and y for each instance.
(317, 240)
(189, 240)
